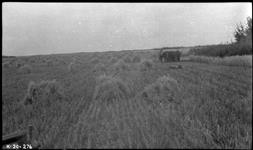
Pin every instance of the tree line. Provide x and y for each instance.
(241, 46)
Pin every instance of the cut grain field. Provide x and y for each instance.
(127, 99)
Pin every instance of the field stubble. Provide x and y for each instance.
(214, 109)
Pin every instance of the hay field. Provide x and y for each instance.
(127, 99)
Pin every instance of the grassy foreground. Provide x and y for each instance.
(127, 100)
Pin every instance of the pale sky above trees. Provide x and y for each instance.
(47, 28)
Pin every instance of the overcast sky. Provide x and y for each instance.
(47, 28)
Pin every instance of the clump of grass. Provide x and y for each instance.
(146, 65)
(72, 67)
(154, 57)
(121, 66)
(18, 64)
(162, 91)
(99, 67)
(136, 59)
(110, 89)
(45, 107)
(119, 55)
(32, 60)
(95, 60)
(113, 60)
(49, 63)
(109, 57)
(26, 69)
(128, 59)
(245, 61)
(6, 65)
(42, 92)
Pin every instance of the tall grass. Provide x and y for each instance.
(245, 61)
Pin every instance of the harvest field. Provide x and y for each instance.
(127, 99)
